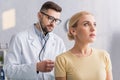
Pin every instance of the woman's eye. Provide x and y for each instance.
(85, 24)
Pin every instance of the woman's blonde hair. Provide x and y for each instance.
(73, 22)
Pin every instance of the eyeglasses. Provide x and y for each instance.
(51, 19)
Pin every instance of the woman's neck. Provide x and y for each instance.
(81, 50)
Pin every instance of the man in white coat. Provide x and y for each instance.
(32, 52)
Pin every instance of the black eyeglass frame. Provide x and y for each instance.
(52, 19)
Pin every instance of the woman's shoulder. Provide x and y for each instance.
(100, 52)
(64, 53)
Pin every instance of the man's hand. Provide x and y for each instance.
(45, 66)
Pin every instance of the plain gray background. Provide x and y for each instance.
(106, 14)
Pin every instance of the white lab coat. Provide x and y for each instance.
(23, 54)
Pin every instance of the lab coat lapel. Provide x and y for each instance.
(34, 41)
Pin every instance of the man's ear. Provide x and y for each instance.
(39, 15)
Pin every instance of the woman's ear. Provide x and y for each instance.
(73, 31)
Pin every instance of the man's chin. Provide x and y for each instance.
(50, 30)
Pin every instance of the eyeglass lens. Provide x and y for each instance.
(52, 19)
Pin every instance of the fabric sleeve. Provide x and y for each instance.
(107, 61)
(13, 67)
(60, 67)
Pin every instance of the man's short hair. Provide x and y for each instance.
(51, 5)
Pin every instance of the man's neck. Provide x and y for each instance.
(39, 27)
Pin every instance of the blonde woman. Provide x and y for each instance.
(83, 62)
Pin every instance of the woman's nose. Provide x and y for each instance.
(93, 28)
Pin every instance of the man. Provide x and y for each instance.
(32, 52)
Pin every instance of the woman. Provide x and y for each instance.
(83, 62)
